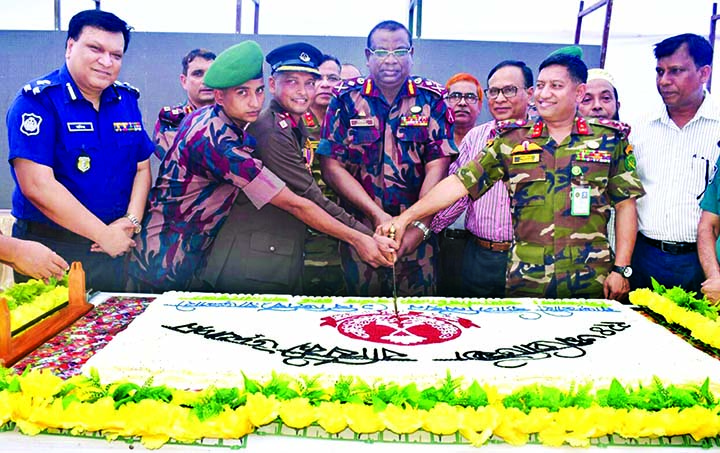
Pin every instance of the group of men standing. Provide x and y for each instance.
(366, 163)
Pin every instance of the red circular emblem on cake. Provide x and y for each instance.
(406, 329)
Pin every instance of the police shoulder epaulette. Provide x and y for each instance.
(429, 85)
(504, 126)
(624, 128)
(128, 87)
(36, 86)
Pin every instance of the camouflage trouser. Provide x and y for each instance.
(415, 273)
(575, 271)
(322, 272)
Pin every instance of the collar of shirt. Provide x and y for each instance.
(709, 109)
(72, 93)
(220, 113)
(539, 129)
(408, 89)
(283, 114)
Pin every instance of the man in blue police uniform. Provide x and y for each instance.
(79, 154)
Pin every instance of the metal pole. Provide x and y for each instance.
(411, 14)
(257, 16)
(57, 14)
(606, 32)
(713, 23)
(418, 18)
(238, 16)
(578, 25)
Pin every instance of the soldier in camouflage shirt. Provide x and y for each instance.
(563, 174)
(384, 144)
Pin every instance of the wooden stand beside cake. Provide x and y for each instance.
(15, 347)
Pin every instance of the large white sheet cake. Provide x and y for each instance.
(194, 340)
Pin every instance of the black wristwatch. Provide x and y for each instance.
(625, 271)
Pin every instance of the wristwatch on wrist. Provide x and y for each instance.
(134, 220)
(625, 271)
(422, 227)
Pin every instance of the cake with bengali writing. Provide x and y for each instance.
(195, 340)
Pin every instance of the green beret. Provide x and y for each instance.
(235, 66)
(574, 51)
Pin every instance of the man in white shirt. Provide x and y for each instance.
(676, 149)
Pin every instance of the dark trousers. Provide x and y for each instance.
(450, 263)
(102, 273)
(668, 269)
(484, 271)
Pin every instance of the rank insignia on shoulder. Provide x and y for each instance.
(588, 155)
(529, 158)
(526, 147)
(30, 124)
(362, 122)
(127, 126)
(624, 128)
(507, 125)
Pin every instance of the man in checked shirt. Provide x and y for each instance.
(509, 91)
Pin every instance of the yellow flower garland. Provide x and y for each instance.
(700, 327)
(33, 408)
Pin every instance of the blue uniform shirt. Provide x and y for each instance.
(94, 154)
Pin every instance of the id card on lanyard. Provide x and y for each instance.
(580, 200)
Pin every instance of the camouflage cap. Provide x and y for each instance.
(574, 51)
(235, 66)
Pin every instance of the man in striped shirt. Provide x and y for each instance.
(509, 90)
(677, 150)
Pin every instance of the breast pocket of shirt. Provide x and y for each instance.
(412, 140)
(528, 184)
(596, 175)
(365, 145)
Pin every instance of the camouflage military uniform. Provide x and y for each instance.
(322, 273)
(261, 251)
(555, 253)
(385, 146)
(167, 124)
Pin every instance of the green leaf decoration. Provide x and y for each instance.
(68, 400)
(251, 386)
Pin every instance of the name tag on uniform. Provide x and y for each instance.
(362, 122)
(526, 158)
(80, 127)
(128, 126)
(594, 155)
(580, 200)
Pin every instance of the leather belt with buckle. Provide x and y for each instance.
(671, 247)
(494, 246)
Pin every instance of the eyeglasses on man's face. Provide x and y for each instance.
(383, 53)
(508, 91)
(455, 97)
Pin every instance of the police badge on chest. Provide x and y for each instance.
(83, 162)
